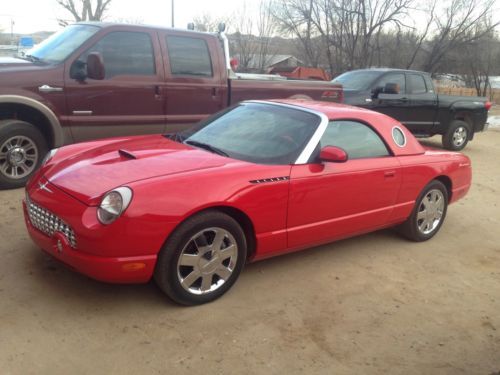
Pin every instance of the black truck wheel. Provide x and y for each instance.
(457, 135)
(22, 148)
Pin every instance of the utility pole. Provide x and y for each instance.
(173, 24)
(12, 31)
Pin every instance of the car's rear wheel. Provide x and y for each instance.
(428, 214)
(22, 148)
(202, 259)
(456, 136)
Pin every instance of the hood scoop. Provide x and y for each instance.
(126, 154)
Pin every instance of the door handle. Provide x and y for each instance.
(215, 92)
(389, 174)
(158, 92)
(47, 88)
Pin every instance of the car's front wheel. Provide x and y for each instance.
(202, 259)
(428, 214)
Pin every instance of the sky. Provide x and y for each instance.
(36, 15)
(41, 15)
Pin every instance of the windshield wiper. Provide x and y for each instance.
(176, 137)
(206, 147)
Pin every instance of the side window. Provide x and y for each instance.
(124, 53)
(417, 84)
(392, 83)
(189, 56)
(357, 139)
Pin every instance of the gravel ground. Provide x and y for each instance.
(375, 304)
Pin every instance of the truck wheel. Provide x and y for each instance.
(22, 148)
(457, 136)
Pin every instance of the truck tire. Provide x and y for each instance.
(22, 148)
(457, 135)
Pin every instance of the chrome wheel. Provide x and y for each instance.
(459, 136)
(207, 261)
(430, 211)
(18, 157)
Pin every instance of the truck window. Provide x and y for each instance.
(125, 53)
(357, 139)
(397, 78)
(417, 84)
(189, 56)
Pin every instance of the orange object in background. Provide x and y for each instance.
(302, 72)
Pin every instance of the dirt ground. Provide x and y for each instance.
(375, 304)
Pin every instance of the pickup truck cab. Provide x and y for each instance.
(96, 80)
(410, 97)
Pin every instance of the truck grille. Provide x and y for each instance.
(48, 223)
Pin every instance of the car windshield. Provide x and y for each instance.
(256, 132)
(357, 80)
(60, 45)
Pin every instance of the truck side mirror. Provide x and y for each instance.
(95, 66)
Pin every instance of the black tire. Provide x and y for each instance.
(169, 271)
(31, 151)
(457, 136)
(412, 227)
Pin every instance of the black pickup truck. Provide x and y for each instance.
(409, 96)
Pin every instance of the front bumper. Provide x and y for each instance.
(91, 241)
(113, 270)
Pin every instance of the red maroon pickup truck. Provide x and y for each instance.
(95, 80)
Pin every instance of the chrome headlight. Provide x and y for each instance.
(49, 156)
(113, 204)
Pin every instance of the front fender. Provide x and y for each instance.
(55, 125)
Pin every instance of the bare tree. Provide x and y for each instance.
(252, 40)
(207, 23)
(84, 10)
(294, 18)
(457, 27)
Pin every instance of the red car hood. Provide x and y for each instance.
(88, 170)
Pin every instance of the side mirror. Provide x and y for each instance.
(333, 154)
(95, 66)
(221, 27)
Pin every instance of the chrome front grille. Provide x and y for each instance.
(48, 223)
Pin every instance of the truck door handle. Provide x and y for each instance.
(215, 92)
(47, 88)
(389, 174)
(158, 92)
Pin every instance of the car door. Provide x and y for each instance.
(195, 84)
(329, 201)
(129, 99)
(422, 106)
(392, 102)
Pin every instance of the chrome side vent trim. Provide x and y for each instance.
(267, 180)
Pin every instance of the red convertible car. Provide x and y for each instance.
(254, 181)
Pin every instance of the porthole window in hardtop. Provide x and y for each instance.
(355, 138)
(398, 136)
